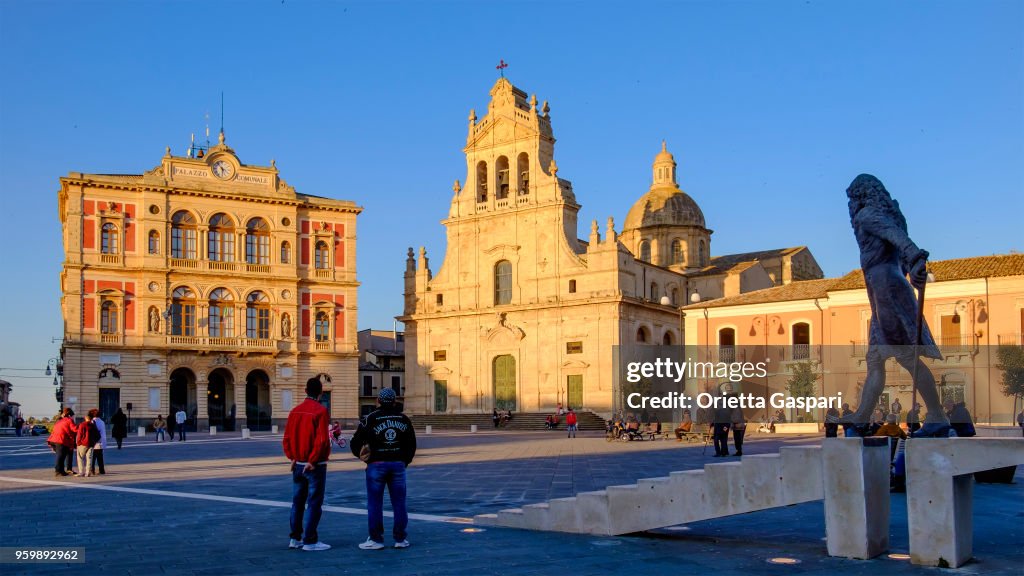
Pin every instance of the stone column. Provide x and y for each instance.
(856, 477)
(202, 407)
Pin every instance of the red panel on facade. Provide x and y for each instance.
(305, 298)
(322, 297)
(339, 230)
(339, 254)
(107, 285)
(90, 286)
(89, 311)
(339, 299)
(129, 288)
(129, 237)
(339, 325)
(305, 226)
(304, 259)
(129, 315)
(305, 323)
(89, 208)
(129, 209)
(88, 233)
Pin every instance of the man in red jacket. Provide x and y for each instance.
(308, 446)
(570, 423)
(62, 442)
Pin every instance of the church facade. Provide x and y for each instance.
(208, 285)
(522, 314)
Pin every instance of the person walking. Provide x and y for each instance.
(570, 423)
(914, 418)
(87, 437)
(722, 417)
(897, 409)
(180, 417)
(307, 445)
(160, 427)
(101, 445)
(386, 441)
(119, 427)
(739, 428)
(62, 441)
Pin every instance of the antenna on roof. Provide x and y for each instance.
(222, 112)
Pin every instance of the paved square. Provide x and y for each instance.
(219, 505)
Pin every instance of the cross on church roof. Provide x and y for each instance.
(501, 67)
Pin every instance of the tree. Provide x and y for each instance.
(803, 384)
(1011, 362)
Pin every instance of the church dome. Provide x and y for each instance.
(664, 206)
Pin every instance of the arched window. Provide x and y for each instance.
(674, 296)
(257, 315)
(257, 242)
(221, 239)
(642, 335)
(222, 314)
(523, 173)
(108, 318)
(502, 282)
(481, 181)
(108, 239)
(677, 251)
(654, 291)
(727, 345)
(183, 235)
(667, 339)
(286, 252)
(801, 341)
(321, 256)
(183, 312)
(700, 254)
(154, 242)
(502, 173)
(322, 329)
(645, 251)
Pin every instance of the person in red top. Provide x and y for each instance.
(62, 442)
(570, 423)
(87, 436)
(308, 446)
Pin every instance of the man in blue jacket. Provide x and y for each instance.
(386, 442)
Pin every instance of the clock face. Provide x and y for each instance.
(222, 169)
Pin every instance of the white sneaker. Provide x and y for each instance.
(293, 544)
(402, 544)
(371, 544)
(316, 547)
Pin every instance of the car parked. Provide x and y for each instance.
(40, 430)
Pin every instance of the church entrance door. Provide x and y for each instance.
(505, 383)
(574, 391)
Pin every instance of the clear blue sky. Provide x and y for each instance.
(771, 109)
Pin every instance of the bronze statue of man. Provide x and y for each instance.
(887, 256)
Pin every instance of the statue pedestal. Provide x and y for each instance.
(856, 478)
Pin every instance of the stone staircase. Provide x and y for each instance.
(520, 421)
(755, 482)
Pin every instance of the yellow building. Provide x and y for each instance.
(522, 314)
(974, 306)
(206, 284)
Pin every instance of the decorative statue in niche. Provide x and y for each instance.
(286, 326)
(887, 255)
(154, 320)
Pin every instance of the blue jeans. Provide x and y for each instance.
(307, 501)
(181, 432)
(392, 475)
(160, 435)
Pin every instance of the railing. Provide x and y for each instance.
(952, 344)
(110, 258)
(503, 203)
(110, 338)
(258, 268)
(323, 346)
(481, 206)
(224, 266)
(185, 263)
(257, 343)
(324, 273)
(186, 340)
(523, 199)
(225, 341)
(726, 353)
(801, 351)
(1009, 340)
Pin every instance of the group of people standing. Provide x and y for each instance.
(725, 419)
(162, 430)
(384, 440)
(86, 439)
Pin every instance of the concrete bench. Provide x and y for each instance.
(940, 486)
(8, 431)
